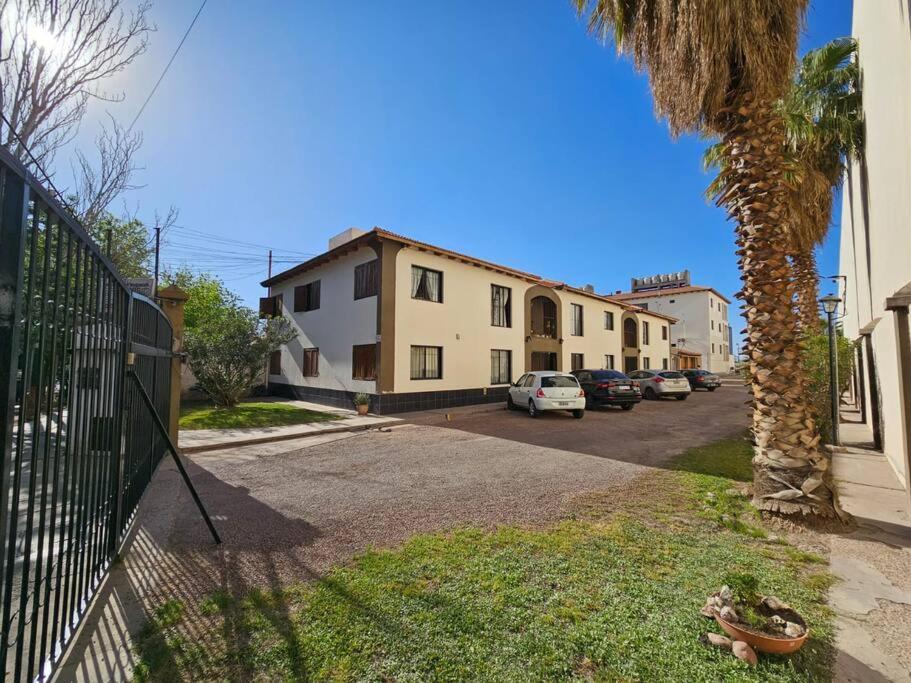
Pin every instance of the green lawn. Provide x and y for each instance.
(608, 595)
(252, 414)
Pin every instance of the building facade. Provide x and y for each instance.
(417, 326)
(701, 336)
(875, 246)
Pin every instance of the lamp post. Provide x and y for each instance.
(829, 305)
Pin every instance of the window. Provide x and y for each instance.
(646, 362)
(645, 332)
(713, 348)
(644, 307)
(363, 364)
(543, 319)
(711, 303)
(306, 297)
(664, 332)
(575, 323)
(664, 363)
(713, 324)
(672, 301)
(719, 307)
(426, 284)
(608, 320)
(275, 362)
(311, 363)
(426, 362)
(500, 306)
(366, 279)
(270, 306)
(500, 366)
(577, 361)
(559, 381)
(609, 361)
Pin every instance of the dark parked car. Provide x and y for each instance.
(608, 388)
(702, 379)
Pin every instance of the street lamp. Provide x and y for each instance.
(830, 305)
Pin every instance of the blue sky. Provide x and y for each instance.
(498, 129)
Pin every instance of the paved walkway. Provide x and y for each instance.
(872, 599)
(199, 440)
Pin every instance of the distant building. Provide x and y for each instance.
(701, 337)
(875, 249)
(418, 326)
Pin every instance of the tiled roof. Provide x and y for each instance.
(670, 291)
(366, 238)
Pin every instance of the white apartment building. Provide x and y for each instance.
(417, 326)
(701, 337)
(875, 246)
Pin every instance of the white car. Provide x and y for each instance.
(657, 384)
(547, 390)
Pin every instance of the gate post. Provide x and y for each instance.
(172, 300)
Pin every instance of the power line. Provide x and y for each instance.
(168, 66)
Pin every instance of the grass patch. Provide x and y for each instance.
(609, 598)
(207, 416)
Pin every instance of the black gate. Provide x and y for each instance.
(76, 459)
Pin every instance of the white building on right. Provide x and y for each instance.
(875, 247)
(701, 337)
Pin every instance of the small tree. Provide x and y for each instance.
(228, 353)
(209, 298)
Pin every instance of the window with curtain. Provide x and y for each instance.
(575, 323)
(363, 365)
(500, 366)
(577, 361)
(426, 284)
(311, 363)
(306, 297)
(426, 362)
(644, 332)
(366, 278)
(608, 320)
(609, 361)
(500, 306)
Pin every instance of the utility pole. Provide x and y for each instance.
(157, 258)
(270, 263)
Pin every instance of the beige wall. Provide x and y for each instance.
(461, 325)
(875, 243)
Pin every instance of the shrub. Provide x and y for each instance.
(228, 353)
(816, 363)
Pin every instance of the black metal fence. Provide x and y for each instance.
(75, 458)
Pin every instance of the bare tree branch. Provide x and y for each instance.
(97, 185)
(54, 57)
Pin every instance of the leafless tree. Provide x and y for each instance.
(55, 56)
(98, 184)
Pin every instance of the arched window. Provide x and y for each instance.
(543, 317)
(630, 333)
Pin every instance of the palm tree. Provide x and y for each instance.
(823, 117)
(720, 68)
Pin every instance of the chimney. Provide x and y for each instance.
(345, 236)
(589, 288)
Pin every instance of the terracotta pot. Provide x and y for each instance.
(763, 643)
(362, 408)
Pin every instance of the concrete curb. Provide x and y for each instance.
(281, 437)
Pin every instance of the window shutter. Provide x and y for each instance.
(266, 306)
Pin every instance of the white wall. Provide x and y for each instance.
(700, 324)
(334, 328)
(883, 31)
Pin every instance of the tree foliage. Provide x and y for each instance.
(816, 363)
(210, 300)
(228, 354)
(131, 247)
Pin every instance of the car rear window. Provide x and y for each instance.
(556, 381)
(609, 374)
(671, 375)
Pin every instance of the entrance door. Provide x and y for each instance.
(630, 364)
(543, 360)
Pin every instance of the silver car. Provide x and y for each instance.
(546, 390)
(657, 384)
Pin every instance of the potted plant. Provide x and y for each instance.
(362, 403)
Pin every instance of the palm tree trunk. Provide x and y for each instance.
(790, 471)
(806, 280)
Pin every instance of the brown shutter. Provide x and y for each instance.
(267, 306)
(300, 298)
(275, 363)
